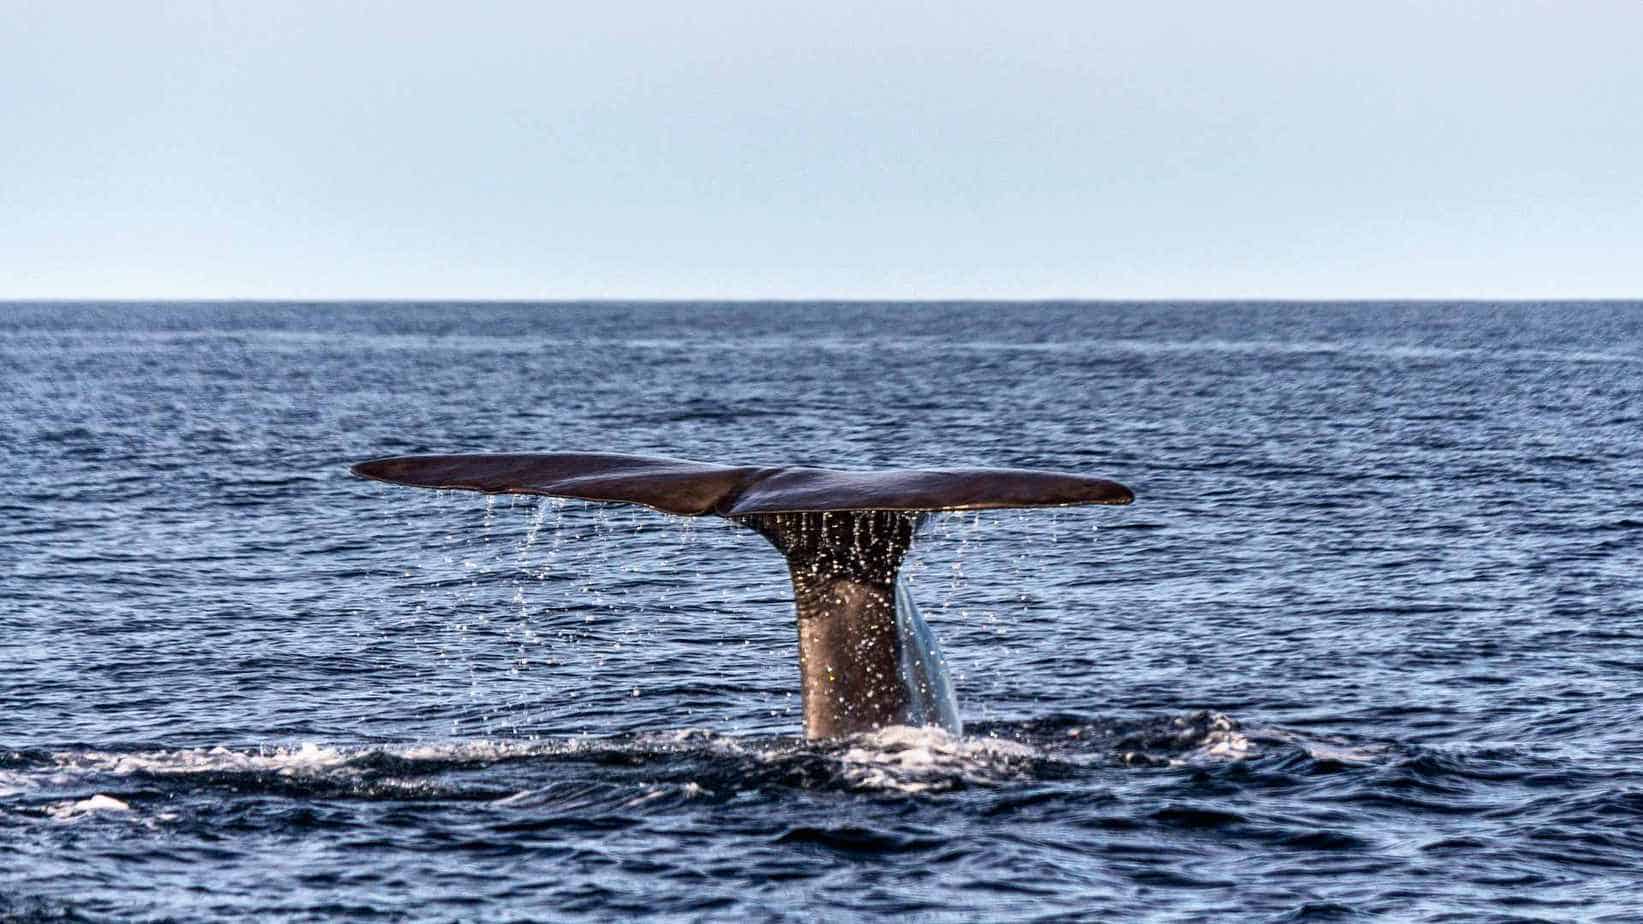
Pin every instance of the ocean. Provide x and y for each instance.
(1367, 646)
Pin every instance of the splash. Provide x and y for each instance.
(929, 759)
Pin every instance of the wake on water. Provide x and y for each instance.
(70, 785)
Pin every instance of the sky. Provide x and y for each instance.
(838, 149)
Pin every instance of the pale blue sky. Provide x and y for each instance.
(711, 149)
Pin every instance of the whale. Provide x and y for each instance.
(867, 659)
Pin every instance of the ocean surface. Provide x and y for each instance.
(1369, 644)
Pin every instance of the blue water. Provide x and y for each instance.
(1368, 645)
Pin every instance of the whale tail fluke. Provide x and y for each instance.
(866, 657)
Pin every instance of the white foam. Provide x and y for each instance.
(13, 783)
(306, 759)
(1344, 753)
(65, 811)
(484, 750)
(912, 760)
(898, 758)
(1222, 741)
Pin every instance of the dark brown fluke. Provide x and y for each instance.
(843, 533)
(696, 488)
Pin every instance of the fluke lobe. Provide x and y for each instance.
(864, 663)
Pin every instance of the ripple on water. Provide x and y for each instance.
(1393, 544)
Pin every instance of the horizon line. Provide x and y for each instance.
(825, 300)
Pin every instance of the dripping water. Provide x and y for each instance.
(924, 676)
